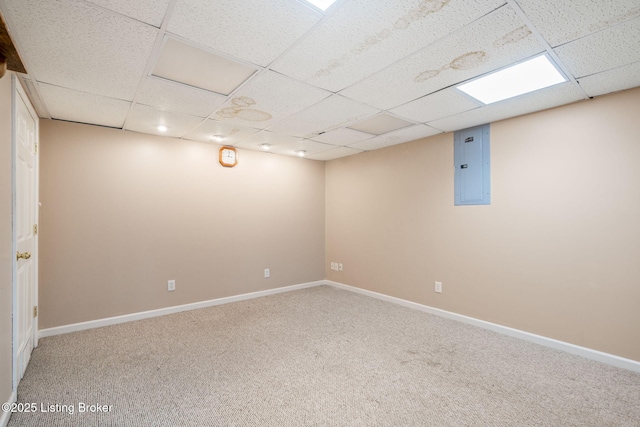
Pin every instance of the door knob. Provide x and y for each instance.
(24, 255)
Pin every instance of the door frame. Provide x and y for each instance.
(18, 91)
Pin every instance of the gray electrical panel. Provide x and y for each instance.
(472, 174)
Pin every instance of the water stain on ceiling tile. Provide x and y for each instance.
(463, 62)
(242, 110)
(513, 36)
(426, 8)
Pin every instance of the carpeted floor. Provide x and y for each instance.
(316, 357)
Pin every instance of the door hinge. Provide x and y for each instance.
(36, 149)
(35, 311)
(35, 229)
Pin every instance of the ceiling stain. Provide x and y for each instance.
(426, 8)
(615, 20)
(241, 110)
(463, 62)
(513, 36)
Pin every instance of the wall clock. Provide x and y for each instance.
(228, 156)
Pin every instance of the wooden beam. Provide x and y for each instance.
(8, 51)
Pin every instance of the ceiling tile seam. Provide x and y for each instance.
(25, 61)
(111, 11)
(607, 70)
(549, 50)
(153, 58)
(324, 18)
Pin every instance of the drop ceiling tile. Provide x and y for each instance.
(334, 153)
(254, 30)
(494, 41)
(380, 124)
(149, 11)
(561, 21)
(268, 98)
(81, 46)
(440, 104)
(184, 63)
(341, 136)
(330, 113)
(82, 107)
(146, 120)
(614, 80)
(171, 96)
(363, 36)
(233, 134)
(255, 141)
(602, 51)
(543, 99)
(397, 137)
(292, 148)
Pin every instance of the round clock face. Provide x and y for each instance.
(228, 156)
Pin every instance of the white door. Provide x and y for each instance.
(25, 139)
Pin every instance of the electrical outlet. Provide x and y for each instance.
(267, 273)
(171, 285)
(439, 287)
(340, 266)
(333, 265)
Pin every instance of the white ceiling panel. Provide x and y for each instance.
(366, 35)
(612, 80)
(232, 134)
(602, 51)
(543, 99)
(255, 141)
(253, 30)
(148, 11)
(334, 153)
(441, 104)
(268, 98)
(561, 21)
(292, 148)
(82, 107)
(147, 119)
(333, 112)
(397, 137)
(167, 95)
(494, 41)
(81, 46)
(342, 136)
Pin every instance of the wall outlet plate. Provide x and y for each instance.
(171, 285)
(439, 287)
(267, 273)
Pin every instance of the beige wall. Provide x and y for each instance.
(557, 253)
(6, 251)
(123, 212)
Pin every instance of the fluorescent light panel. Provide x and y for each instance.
(528, 76)
(321, 4)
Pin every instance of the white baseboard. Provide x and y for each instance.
(4, 416)
(585, 352)
(168, 310)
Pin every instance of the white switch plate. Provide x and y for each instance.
(439, 287)
(267, 273)
(171, 285)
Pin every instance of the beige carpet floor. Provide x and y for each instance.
(316, 357)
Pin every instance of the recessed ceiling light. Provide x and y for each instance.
(217, 138)
(162, 128)
(525, 77)
(301, 153)
(266, 146)
(321, 4)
